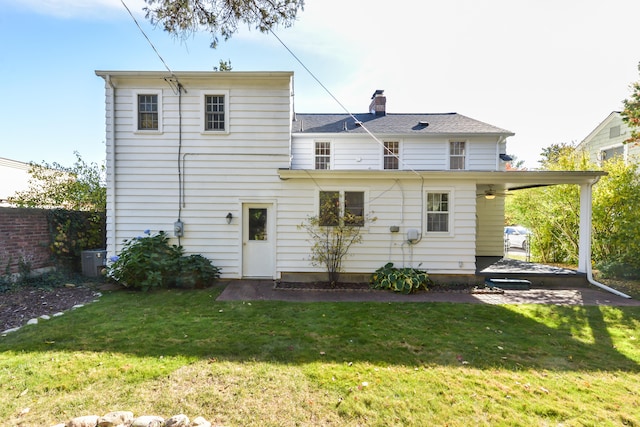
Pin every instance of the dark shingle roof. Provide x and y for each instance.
(393, 124)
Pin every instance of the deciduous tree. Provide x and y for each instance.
(631, 113)
(80, 187)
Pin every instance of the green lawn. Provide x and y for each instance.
(285, 364)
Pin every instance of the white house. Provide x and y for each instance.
(606, 141)
(14, 177)
(223, 161)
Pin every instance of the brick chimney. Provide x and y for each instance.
(378, 104)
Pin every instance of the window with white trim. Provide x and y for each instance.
(146, 111)
(347, 206)
(438, 212)
(214, 113)
(611, 153)
(391, 154)
(323, 155)
(457, 155)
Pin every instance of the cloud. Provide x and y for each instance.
(70, 9)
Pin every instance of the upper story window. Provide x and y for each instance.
(391, 154)
(214, 112)
(148, 112)
(437, 212)
(323, 155)
(457, 155)
(346, 204)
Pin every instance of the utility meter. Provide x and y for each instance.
(178, 228)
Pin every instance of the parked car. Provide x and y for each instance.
(517, 237)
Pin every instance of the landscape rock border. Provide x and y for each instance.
(127, 419)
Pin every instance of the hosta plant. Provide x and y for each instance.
(405, 280)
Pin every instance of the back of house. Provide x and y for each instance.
(222, 162)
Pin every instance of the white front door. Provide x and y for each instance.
(257, 240)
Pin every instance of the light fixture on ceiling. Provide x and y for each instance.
(490, 193)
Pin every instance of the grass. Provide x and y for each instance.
(284, 364)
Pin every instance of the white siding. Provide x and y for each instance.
(218, 170)
(392, 203)
(365, 153)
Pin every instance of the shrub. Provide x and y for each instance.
(146, 262)
(151, 262)
(196, 271)
(405, 280)
(618, 269)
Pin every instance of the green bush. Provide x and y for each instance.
(405, 280)
(618, 269)
(151, 262)
(196, 271)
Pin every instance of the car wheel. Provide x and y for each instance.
(525, 246)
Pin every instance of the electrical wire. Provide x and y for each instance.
(362, 125)
(145, 36)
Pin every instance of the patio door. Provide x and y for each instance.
(257, 240)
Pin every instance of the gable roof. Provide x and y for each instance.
(393, 124)
(612, 116)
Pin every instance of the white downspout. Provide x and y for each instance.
(111, 165)
(585, 246)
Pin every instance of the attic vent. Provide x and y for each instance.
(358, 123)
(344, 125)
(423, 123)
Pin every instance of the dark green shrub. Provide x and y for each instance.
(196, 271)
(146, 262)
(405, 280)
(151, 262)
(618, 269)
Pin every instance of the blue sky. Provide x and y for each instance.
(550, 71)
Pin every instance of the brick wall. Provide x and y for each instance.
(24, 235)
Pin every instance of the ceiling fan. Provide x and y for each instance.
(491, 194)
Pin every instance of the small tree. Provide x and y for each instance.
(79, 188)
(332, 235)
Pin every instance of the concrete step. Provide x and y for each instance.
(508, 284)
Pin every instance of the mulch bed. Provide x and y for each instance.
(18, 306)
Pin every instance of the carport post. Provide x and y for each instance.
(584, 242)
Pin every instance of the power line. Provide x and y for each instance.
(145, 36)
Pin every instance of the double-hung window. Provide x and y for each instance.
(391, 153)
(323, 155)
(337, 206)
(457, 155)
(438, 212)
(148, 112)
(214, 113)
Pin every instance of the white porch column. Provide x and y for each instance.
(584, 242)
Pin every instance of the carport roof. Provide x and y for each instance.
(509, 180)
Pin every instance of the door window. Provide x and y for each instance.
(257, 224)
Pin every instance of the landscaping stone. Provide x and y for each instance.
(148, 421)
(126, 419)
(178, 421)
(85, 421)
(116, 419)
